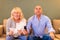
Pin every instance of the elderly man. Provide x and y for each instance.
(38, 24)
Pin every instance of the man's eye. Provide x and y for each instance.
(39, 8)
(36, 8)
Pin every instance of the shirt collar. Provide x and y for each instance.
(40, 16)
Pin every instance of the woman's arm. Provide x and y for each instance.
(8, 25)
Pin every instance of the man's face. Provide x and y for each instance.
(38, 10)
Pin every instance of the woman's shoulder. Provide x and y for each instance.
(9, 20)
(24, 19)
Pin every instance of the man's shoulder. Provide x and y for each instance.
(46, 17)
(31, 18)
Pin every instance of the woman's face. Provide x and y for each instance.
(16, 15)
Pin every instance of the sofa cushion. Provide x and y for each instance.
(56, 25)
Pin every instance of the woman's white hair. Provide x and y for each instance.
(17, 9)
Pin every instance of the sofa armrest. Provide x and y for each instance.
(1, 30)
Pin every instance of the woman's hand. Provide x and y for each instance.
(19, 32)
(25, 32)
(10, 33)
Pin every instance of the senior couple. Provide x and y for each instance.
(16, 24)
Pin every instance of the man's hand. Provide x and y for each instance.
(52, 35)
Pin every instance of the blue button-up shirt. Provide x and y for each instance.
(39, 26)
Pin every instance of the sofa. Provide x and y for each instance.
(3, 27)
(55, 23)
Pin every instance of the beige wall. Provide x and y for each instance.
(51, 8)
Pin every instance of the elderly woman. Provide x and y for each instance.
(15, 25)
